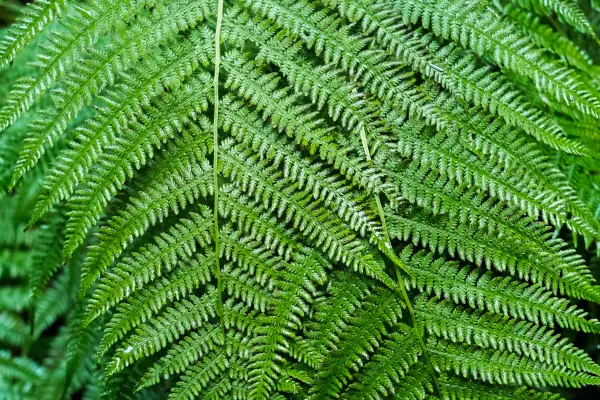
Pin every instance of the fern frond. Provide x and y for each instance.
(97, 71)
(12, 391)
(247, 128)
(455, 71)
(501, 368)
(131, 152)
(311, 176)
(544, 36)
(220, 374)
(82, 28)
(502, 334)
(146, 302)
(456, 388)
(162, 72)
(183, 354)
(344, 102)
(441, 236)
(346, 294)
(13, 329)
(48, 255)
(350, 137)
(197, 378)
(189, 313)
(506, 47)
(177, 180)
(568, 11)
(483, 290)
(18, 368)
(253, 220)
(80, 342)
(252, 256)
(36, 16)
(171, 248)
(446, 155)
(55, 301)
(381, 374)
(292, 288)
(429, 190)
(363, 334)
(307, 131)
(300, 209)
(366, 64)
(14, 298)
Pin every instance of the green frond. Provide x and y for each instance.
(382, 373)
(81, 27)
(568, 277)
(171, 248)
(346, 293)
(216, 376)
(285, 114)
(459, 202)
(95, 72)
(253, 257)
(455, 71)
(457, 389)
(55, 301)
(363, 334)
(455, 139)
(544, 36)
(18, 368)
(11, 263)
(12, 391)
(506, 46)
(146, 302)
(35, 17)
(160, 73)
(129, 153)
(499, 295)
(501, 368)
(178, 180)
(196, 379)
(14, 298)
(248, 128)
(446, 155)
(416, 103)
(122, 385)
(344, 103)
(300, 209)
(80, 342)
(291, 302)
(47, 258)
(13, 329)
(503, 334)
(253, 220)
(183, 354)
(189, 313)
(568, 11)
(241, 286)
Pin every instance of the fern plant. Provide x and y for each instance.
(299, 199)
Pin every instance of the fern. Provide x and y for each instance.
(33, 20)
(299, 199)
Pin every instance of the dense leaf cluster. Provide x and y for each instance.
(356, 199)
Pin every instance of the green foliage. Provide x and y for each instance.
(400, 199)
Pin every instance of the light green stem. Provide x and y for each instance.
(216, 163)
(401, 285)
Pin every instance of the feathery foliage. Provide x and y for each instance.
(299, 199)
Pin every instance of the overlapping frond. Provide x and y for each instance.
(33, 20)
(398, 193)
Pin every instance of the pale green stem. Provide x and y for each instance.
(401, 285)
(215, 164)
